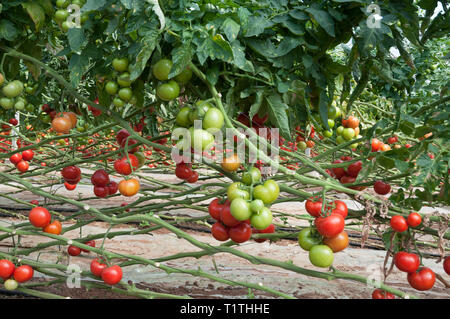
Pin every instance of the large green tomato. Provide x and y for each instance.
(112, 87)
(321, 256)
(184, 77)
(334, 112)
(307, 240)
(235, 191)
(168, 91)
(256, 205)
(120, 65)
(340, 130)
(13, 89)
(118, 102)
(213, 120)
(263, 193)
(61, 15)
(124, 80)
(253, 176)
(6, 103)
(348, 133)
(240, 209)
(161, 69)
(182, 118)
(331, 123)
(205, 138)
(125, 94)
(273, 188)
(262, 219)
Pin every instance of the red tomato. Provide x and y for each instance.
(330, 226)
(113, 187)
(381, 187)
(70, 187)
(414, 220)
(97, 267)
(220, 231)
(89, 243)
(392, 140)
(422, 279)
(376, 144)
(39, 217)
(71, 174)
(122, 166)
(16, 158)
(112, 275)
(73, 250)
(101, 191)
(13, 121)
(23, 273)
(23, 166)
(131, 142)
(340, 208)
(337, 243)
(399, 224)
(381, 294)
(338, 171)
(6, 269)
(27, 155)
(193, 178)
(240, 233)
(122, 135)
(347, 179)
(268, 230)
(226, 217)
(406, 262)
(313, 207)
(215, 208)
(354, 168)
(100, 178)
(183, 171)
(447, 265)
(34, 202)
(53, 228)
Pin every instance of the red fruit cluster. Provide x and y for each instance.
(400, 224)
(110, 275)
(123, 139)
(20, 274)
(184, 171)
(420, 278)
(103, 186)
(75, 251)
(378, 145)
(20, 160)
(346, 175)
(95, 111)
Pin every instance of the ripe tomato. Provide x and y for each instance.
(226, 218)
(313, 206)
(71, 174)
(261, 219)
(341, 208)
(39, 217)
(15, 158)
(183, 171)
(231, 163)
(308, 237)
(90, 243)
(97, 267)
(122, 166)
(113, 187)
(61, 125)
(6, 269)
(321, 256)
(330, 226)
(22, 166)
(73, 250)
(352, 122)
(338, 242)
(130, 142)
(71, 116)
(354, 168)
(381, 187)
(381, 294)
(193, 178)
(53, 228)
(347, 179)
(101, 191)
(376, 144)
(70, 187)
(129, 187)
(338, 171)
(122, 135)
(220, 231)
(27, 155)
(406, 262)
(23, 273)
(34, 202)
(240, 233)
(414, 220)
(398, 223)
(447, 265)
(100, 178)
(392, 140)
(422, 279)
(112, 275)
(268, 230)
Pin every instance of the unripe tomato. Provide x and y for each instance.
(125, 94)
(129, 187)
(112, 88)
(168, 91)
(321, 256)
(307, 238)
(23, 273)
(184, 77)
(252, 176)
(213, 120)
(39, 217)
(120, 64)
(112, 275)
(124, 80)
(261, 219)
(182, 118)
(352, 122)
(61, 125)
(13, 89)
(337, 243)
(11, 284)
(161, 69)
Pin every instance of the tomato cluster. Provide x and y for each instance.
(185, 171)
(167, 91)
(420, 278)
(110, 275)
(400, 224)
(40, 217)
(11, 95)
(62, 14)
(377, 146)
(63, 122)
(21, 160)
(328, 235)
(75, 251)
(334, 112)
(349, 130)
(13, 275)
(346, 175)
(71, 176)
(103, 185)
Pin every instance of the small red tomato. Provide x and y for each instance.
(240, 233)
(330, 226)
(113, 187)
(381, 187)
(398, 223)
(13, 121)
(112, 275)
(39, 217)
(183, 171)
(34, 202)
(381, 294)
(414, 219)
(27, 155)
(338, 171)
(89, 243)
(354, 168)
(53, 228)
(422, 279)
(220, 231)
(73, 250)
(268, 230)
(392, 140)
(100, 178)
(215, 208)
(23, 273)
(406, 262)
(22, 166)
(193, 178)
(340, 208)
(101, 191)
(6, 269)
(16, 158)
(226, 217)
(70, 187)
(313, 206)
(97, 267)
(447, 265)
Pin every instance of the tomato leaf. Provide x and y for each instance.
(277, 114)
(36, 13)
(8, 31)
(181, 57)
(149, 35)
(323, 18)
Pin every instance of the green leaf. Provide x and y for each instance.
(36, 13)
(254, 109)
(401, 165)
(34, 50)
(406, 127)
(239, 57)
(324, 19)
(8, 30)
(78, 65)
(277, 114)
(92, 5)
(47, 6)
(137, 5)
(298, 14)
(386, 162)
(231, 29)
(256, 25)
(148, 44)
(181, 57)
(212, 74)
(76, 38)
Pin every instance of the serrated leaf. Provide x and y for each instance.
(324, 19)
(239, 57)
(92, 5)
(277, 113)
(76, 38)
(181, 57)
(36, 13)
(254, 109)
(231, 29)
(78, 64)
(8, 30)
(148, 44)
(256, 25)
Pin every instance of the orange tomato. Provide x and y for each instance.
(310, 144)
(352, 122)
(385, 147)
(356, 131)
(53, 228)
(71, 116)
(129, 187)
(231, 163)
(338, 242)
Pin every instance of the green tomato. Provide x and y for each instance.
(11, 284)
(161, 69)
(2, 79)
(321, 256)
(262, 219)
(168, 91)
(182, 118)
(204, 138)
(141, 158)
(61, 15)
(79, 3)
(30, 89)
(81, 129)
(201, 107)
(328, 134)
(354, 145)
(263, 193)
(133, 100)
(256, 205)
(253, 176)
(65, 26)
(340, 140)
(125, 94)
(307, 239)
(13, 89)
(213, 120)
(302, 145)
(118, 102)
(112, 88)
(235, 191)
(46, 118)
(20, 105)
(330, 123)
(62, 3)
(29, 108)
(124, 80)
(240, 209)
(84, 17)
(273, 188)
(334, 112)
(184, 77)
(6, 103)
(348, 133)
(120, 64)
(340, 130)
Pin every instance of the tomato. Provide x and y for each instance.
(392, 140)
(310, 144)
(301, 145)
(182, 118)
(112, 275)
(53, 228)
(240, 233)
(354, 168)
(13, 89)
(61, 125)
(71, 116)
(337, 243)
(256, 205)
(352, 122)
(226, 217)
(313, 207)
(231, 163)
(330, 226)
(15, 158)
(71, 174)
(22, 166)
(321, 256)
(161, 69)
(6, 103)
(348, 133)
(62, 3)
(125, 94)
(340, 208)
(240, 209)
(193, 178)
(27, 155)
(200, 110)
(122, 166)
(398, 223)
(97, 267)
(73, 250)
(414, 220)
(23, 273)
(184, 77)
(215, 208)
(124, 80)
(39, 217)
(334, 112)
(122, 135)
(274, 189)
(376, 144)
(252, 176)
(385, 147)
(13, 121)
(347, 179)
(381, 294)
(307, 238)
(112, 88)
(6, 269)
(268, 230)
(381, 187)
(338, 171)
(112, 187)
(201, 139)
(11, 284)
(235, 190)
(261, 219)
(100, 178)
(183, 171)
(447, 265)
(406, 262)
(129, 144)
(120, 64)
(408, 145)
(129, 187)
(101, 191)
(168, 91)
(2, 79)
(220, 232)
(213, 120)
(118, 103)
(422, 279)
